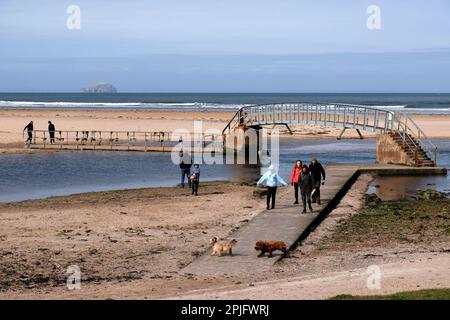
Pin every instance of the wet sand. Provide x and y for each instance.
(135, 243)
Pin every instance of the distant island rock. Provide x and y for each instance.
(101, 87)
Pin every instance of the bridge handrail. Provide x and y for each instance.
(105, 131)
(394, 121)
(228, 126)
(422, 138)
(88, 135)
(317, 103)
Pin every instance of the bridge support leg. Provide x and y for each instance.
(289, 129)
(359, 133)
(343, 130)
(242, 145)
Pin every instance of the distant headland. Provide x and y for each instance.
(101, 87)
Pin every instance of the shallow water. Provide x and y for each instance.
(390, 188)
(39, 175)
(405, 187)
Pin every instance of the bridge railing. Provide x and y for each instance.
(410, 131)
(350, 116)
(335, 115)
(126, 139)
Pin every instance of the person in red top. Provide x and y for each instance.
(294, 177)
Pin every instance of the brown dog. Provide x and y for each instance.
(270, 246)
(220, 246)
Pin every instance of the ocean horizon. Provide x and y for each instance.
(416, 103)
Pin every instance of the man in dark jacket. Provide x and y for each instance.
(185, 172)
(305, 183)
(51, 132)
(317, 172)
(29, 129)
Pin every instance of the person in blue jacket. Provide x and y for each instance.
(195, 177)
(272, 180)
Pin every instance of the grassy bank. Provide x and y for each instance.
(394, 222)
(427, 294)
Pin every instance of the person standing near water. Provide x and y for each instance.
(305, 182)
(317, 172)
(29, 129)
(185, 172)
(272, 181)
(294, 178)
(51, 132)
(195, 177)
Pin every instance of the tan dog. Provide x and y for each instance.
(270, 246)
(220, 246)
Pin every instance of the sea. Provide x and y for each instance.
(40, 175)
(436, 103)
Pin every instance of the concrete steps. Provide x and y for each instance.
(413, 149)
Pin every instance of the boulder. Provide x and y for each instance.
(371, 200)
(430, 194)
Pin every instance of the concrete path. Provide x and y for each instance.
(286, 222)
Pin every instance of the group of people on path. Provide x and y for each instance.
(29, 128)
(307, 179)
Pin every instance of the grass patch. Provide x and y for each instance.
(447, 231)
(404, 221)
(426, 294)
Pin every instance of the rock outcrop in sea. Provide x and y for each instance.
(101, 87)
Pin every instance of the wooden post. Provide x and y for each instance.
(145, 137)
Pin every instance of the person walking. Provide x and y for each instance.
(272, 181)
(294, 178)
(185, 172)
(51, 132)
(305, 182)
(29, 128)
(195, 177)
(317, 172)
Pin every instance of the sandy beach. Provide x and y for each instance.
(13, 122)
(203, 150)
(135, 244)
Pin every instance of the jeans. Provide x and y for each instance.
(271, 193)
(30, 137)
(195, 186)
(185, 173)
(296, 191)
(52, 137)
(306, 198)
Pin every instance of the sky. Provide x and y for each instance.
(225, 46)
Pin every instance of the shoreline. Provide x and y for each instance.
(94, 194)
